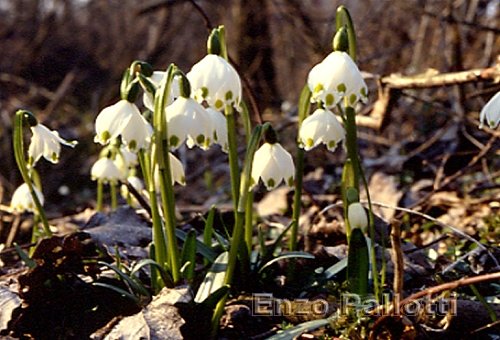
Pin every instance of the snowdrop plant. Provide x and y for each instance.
(490, 113)
(44, 142)
(336, 86)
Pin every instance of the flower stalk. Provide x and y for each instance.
(18, 144)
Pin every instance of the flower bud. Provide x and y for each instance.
(357, 216)
(341, 40)
(213, 42)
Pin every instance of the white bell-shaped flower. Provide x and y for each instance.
(155, 79)
(46, 143)
(137, 133)
(188, 120)
(215, 80)
(220, 128)
(335, 78)
(129, 158)
(273, 164)
(176, 170)
(491, 112)
(106, 170)
(22, 199)
(321, 127)
(356, 215)
(125, 119)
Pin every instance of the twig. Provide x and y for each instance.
(428, 292)
(441, 224)
(457, 174)
(397, 257)
(441, 79)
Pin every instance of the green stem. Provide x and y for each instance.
(297, 198)
(23, 168)
(161, 143)
(99, 195)
(234, 169)
(304, 106)
(239, 220)
(114, 198)
(160, 248)
(249, 204)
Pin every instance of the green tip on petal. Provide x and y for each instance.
(53, 157)
(329, 99)
(204, 92)
(364, 92)
(332, 144)
(174, 141)
(219, 104)
(252, 182)
(105, 136)
(352, 98)
(229, 95)
(200, 139)
(271, 183)
(132, 145)
(341, 87)
(318, 88)
(290, 182)
(183, 180)
(309, 142)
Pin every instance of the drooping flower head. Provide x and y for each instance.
(22, 199)
(491, 112)
(156, 79)
(176, 171)
(106, 170)
(188, 121)
(125, 119)
(356, 215)
(335, 78)
(215, 80)
(220, 128)
(273, 164)
(321, 127)
(46, 143)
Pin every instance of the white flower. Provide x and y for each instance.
(106, 170)
(22, 199)
(136, 183)
(129, 157)
(46, 143)
(356, 215)
(189, 120)
(336, 77)
(156, 79)
(273, 164)
(125, 119)
(491, 112)
(220, 128)
(321, 127)
(215, 80)
(176, 171)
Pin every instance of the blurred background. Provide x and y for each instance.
(63, 60)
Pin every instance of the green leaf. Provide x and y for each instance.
(189, 255)
(120, 291)
(288, 255)
(336, 268)
(214, 279)
(201, 248)
(165, 275)
(358, 263)
(30, 263)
